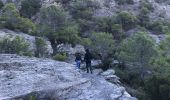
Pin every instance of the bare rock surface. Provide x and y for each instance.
(46, 79)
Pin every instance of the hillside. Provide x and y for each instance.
(130, 36)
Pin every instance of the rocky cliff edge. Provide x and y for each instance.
(23, 78)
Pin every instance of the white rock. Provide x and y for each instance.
(109, 76)
(108, 72)
(23, 77)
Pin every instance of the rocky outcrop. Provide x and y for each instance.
(156, 37)
(67, 48)
(70, 51)
(4, 33)
(110, 76)
(44, 79)
(110, 7)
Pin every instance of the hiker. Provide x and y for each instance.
(87, 59)
(78, 60)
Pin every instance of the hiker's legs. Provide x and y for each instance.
(78, 64)
(87, 67)
(90, 68)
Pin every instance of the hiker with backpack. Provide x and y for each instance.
(87, 59)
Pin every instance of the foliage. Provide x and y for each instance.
(83, 9)
(146, 4)
(60, 57)
(10, 16)
(27, 26)
(145, 9)
(109, 25)
(52, 18)
(162, 63)
(105, 24)
(158, 87)
(11, 19)
(118, 32)
(103, 44)
(41, 47)
(126, 19)
(139, 47)
(165, 47)
(82, 12)
(1, 4)
(143, 17)
(32, 98)
(56, 26)
(159, 27)
(126, 74)
(86, 42)
(68, 34)
(121, 2)
(15, 46)
(138, 50)
(30, 7)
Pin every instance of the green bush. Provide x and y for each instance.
(1, 4)
(158, 87)
(86, 42)
(41, 47)
(143, 17)
(30, 7)
(159, 27)
(55, 25)
(105, 24)
(52, 18)
(162, 62)
(15, 46)
(126, 19)
(146, 4)
(103, 44)
(109, 25)
(82, 12)
(27, 26)
(60, 57)
(131, 50)
(68, 34)
(11, 19)
(145, 9)
(137, 52)
(83, 9)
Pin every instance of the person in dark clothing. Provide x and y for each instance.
(78, 60)
(87, 59)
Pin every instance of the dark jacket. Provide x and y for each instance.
(78, 57)
(88, 57)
